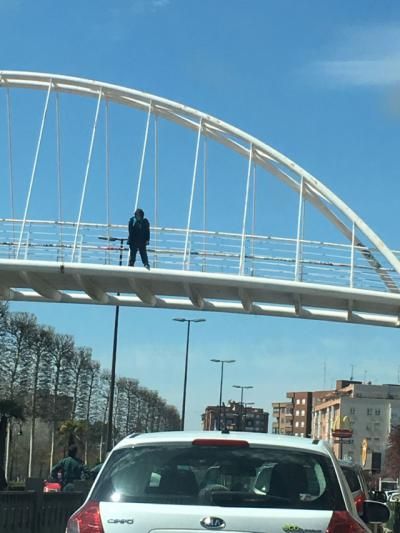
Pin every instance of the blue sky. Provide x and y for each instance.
(319, 81)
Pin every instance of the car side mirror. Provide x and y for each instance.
(379, 496)
(375, 512)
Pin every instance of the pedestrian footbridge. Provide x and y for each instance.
(236, 226)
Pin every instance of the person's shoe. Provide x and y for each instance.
(147, 266)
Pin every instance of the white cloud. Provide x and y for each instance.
(368, 56)
(379, 72)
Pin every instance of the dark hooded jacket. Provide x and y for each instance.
(139, 231)
(72, 469)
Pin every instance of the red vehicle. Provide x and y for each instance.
(52, 486)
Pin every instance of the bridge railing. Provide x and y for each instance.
(206, 251)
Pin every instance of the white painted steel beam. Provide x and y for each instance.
(175, 289)
(142, 290)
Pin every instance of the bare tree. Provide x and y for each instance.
(41, 349)
(90, 380)
(20, 330)
(392, 455)
(60, 357)
(78, 365)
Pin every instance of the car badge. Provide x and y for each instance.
(212, 522)
(129, 521)
(291, 528)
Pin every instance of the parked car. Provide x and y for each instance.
(356, 479)
(213, 480)
(394, 497)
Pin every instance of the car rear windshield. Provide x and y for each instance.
(352, 479)
(187, 474)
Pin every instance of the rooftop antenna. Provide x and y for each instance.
(352, 373)
(365, 376)
(398, 374)
(324, 384)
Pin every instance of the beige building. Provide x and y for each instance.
(368, 410)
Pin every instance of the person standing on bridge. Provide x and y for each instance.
(139, 237)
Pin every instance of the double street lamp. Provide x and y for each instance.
(223, 362)
(242, 388)
(189, 321)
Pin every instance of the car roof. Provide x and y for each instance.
(265, 439)
(351, 466)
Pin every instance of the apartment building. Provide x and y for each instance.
(294, 417)
(236, 417)
(283, 414)
(368, 410)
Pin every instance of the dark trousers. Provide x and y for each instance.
(143, 254)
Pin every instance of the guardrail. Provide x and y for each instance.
(33, 511)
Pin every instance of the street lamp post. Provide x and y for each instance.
(109, 443)
(189, 321)
(222, 361)
(242, 387)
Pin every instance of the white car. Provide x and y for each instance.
(242, 482)
(394, 497)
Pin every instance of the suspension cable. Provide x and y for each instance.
(10, 160)
(185, 253)
(299, 229)
(253, 221)
(155, 185)
(352, 255)
(28, 198)
(246, 201)
(107, 176)
(59, 176)
(89, 160)
(205, 157)
(146, 134)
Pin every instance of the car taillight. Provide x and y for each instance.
(342, 522)
(359, 501)
(86, 520)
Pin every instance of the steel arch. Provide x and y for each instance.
(246, 145)
(236, 139)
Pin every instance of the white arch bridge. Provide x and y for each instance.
(236, 225)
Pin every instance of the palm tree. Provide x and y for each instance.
(73, 432)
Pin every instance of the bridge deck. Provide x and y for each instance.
(121, 285)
